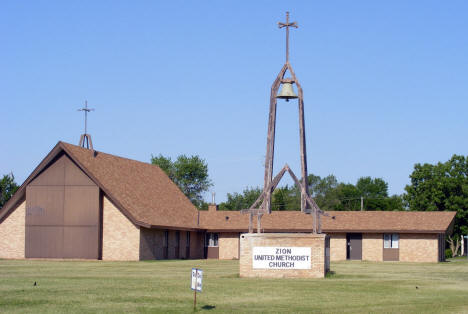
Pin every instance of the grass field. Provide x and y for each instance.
(163, 286)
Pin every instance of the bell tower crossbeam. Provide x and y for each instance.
(287, 25)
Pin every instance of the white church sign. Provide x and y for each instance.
(281, 257)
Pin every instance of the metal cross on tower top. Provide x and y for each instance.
(85, 139)
(287, 25)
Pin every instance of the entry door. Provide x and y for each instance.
(354, 246)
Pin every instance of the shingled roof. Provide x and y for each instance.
(142, 191)
(337, 221)
(146, 195)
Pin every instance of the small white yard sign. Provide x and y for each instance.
(197, 279)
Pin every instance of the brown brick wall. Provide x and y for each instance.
(12, 234)
(419, 248)
(316, 242)
(372, 247)
(121, 238)
(228, 245)
(337, 246)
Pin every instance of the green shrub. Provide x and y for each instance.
(448, 253)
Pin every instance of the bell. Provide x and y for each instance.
(287, 92)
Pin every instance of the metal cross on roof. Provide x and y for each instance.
(85, 139)
(86, 110)
(287, 25)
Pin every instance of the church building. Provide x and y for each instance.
(83, 204)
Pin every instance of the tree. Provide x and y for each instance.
(453, 245)
(244, 200)
(324, 191)
(166, 165)
(375, 193)
(441, 187)
(286, 198)
(348, 197)
(189, 173)
(8, 187)
(283, 198)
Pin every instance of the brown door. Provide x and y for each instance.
(354, 247)
(212, 252)
(391, 254)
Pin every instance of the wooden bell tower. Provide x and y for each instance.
(270, 151)
(263, 204)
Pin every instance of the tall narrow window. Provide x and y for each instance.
(187, 245)
(395, 240)
(211, 239)
(387, 241)
(177, 244)
(391, 240)
(166, 238)
(166, 244)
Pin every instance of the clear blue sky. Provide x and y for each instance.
(385, 83)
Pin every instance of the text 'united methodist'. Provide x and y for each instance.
(281, 257)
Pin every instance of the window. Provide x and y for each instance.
(391, 240)
(211, 239)
(177, 236)
(166, 238)
(166, 244)
(187, 243)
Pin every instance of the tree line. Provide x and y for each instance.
(367, 194)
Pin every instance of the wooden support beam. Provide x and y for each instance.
(259, 224)
(269, 157)
(314, 208)
(253, 211)
(271, 186)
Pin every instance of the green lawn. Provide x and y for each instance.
(163, 286)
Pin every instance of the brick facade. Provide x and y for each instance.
(12, 234)
(120, 237)
(122, 240)
(315, 241)
(337, 247)
(419, 247)
(228, 245)
(372, 247)
(413, 247)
